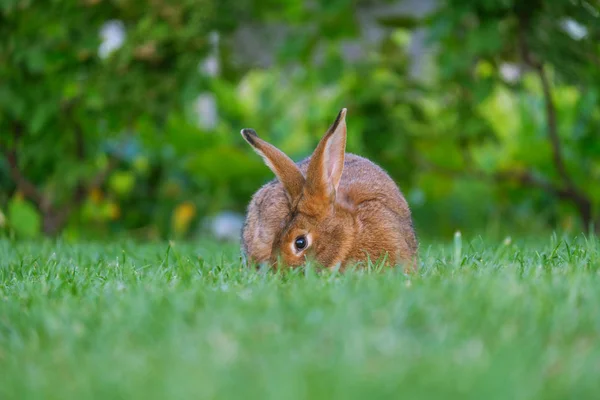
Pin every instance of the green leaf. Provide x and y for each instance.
(122, 182)
(41, 115)
(36, 60)
(24, 219)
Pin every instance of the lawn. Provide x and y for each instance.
(483, 319)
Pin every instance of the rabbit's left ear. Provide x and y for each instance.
(284, 168)
(327, 162)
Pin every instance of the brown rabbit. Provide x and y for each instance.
(333, 207)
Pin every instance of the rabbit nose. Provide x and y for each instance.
(262, 265)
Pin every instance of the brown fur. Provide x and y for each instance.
(350, 213)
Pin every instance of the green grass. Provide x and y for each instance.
(481, 320)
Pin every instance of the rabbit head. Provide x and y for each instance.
(319, 224)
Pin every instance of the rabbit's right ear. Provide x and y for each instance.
(282, 166)
(327, 162)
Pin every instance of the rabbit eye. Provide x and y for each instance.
(300, 242)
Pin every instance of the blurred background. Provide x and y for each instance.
(122, 117)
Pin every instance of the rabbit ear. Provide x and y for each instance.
(327, 162)
(284, 168)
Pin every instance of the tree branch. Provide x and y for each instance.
(526, 179)
(24, 185)
(79, 142)
(552, 128)
(551, 124)
(570, 190)
(79, 190)
(583, 202)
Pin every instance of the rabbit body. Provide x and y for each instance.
(335, 207)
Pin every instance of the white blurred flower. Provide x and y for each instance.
(113, 37)
(576, 30)
(206, 110)
(227, 225)
(510, 72)
(210, 66)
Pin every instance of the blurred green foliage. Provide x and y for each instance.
(492, 123)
